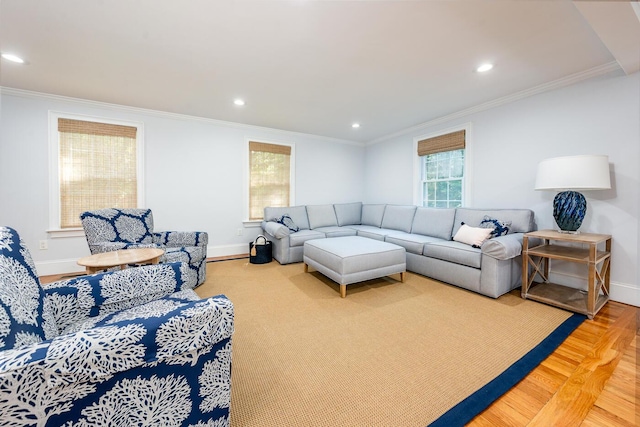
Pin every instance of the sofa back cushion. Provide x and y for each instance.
(434, 222)
(297, 213)
(348, 213)
(372, 215)
(21, 296)
(397, 217)
(321, 216)
(522, 220)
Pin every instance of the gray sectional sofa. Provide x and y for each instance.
(426, 234)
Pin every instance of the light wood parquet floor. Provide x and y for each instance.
(592, 379)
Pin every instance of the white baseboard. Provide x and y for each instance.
(625, 293)
(620, 292)
(60, 266)
(63, 266)
(228, 250)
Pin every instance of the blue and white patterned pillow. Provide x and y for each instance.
(500, 228)
(287, 222)
(21, 296)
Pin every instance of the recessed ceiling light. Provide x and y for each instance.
(484, 67)
(355, 125)
(239, 102)
(13, 58)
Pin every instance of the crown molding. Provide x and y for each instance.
(546, 87)
(176, 116)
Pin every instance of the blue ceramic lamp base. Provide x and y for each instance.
(569, 209)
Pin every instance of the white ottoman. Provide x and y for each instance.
(354, 259)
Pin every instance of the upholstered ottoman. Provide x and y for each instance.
(353, 259)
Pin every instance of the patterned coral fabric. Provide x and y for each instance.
(133, 347)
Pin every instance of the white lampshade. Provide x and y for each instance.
(587, 172)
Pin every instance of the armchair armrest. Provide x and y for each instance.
(503, 247)
(116, 246)
(45, 379)
(275, 229)
(175, 239)
(171, 330)
(72, 301)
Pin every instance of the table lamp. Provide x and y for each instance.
(567, 174)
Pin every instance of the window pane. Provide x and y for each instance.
(455, 190)
(269, 185)
(442, 190)
(97, 168)
(431, 167)
(442, 179)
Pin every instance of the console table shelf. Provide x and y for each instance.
(535, 262)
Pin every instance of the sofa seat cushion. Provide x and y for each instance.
(413, 243)
(298, 239)
(336, 231)
(370, 231)
(456, 252)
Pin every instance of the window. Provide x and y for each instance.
(442, 170)
(270, 171)
(97, 165)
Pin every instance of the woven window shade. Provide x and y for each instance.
(448, 142)
(270, 167)
(97, 168)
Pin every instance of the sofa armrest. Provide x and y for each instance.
(275, 229)
(503, 247)
(72, 301)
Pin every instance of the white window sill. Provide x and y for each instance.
(57, 233)
(252, 223)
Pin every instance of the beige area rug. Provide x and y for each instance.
(389, 354)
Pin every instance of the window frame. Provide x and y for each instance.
(467, 177)
(247, 177)
(55, 230)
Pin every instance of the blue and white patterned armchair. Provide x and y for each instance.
(114, 229)
(135, 347)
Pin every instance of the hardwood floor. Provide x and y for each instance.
(591, 379)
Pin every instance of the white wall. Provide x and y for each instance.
(195, 174)
(599, 116)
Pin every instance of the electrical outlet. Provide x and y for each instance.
(44, 245)
(239, 232)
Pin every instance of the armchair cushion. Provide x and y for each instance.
(118, 225)
(22, 315)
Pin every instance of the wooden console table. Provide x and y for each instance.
(123, 257)
(598, 264)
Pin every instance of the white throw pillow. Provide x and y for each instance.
(473, 236)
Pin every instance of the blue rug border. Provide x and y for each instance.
(466, 410)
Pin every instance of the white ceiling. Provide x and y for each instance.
(311, 66)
